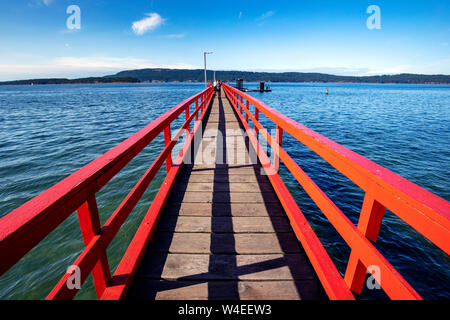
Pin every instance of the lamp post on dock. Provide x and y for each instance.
(204, 57)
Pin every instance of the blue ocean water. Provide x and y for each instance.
(48, 132)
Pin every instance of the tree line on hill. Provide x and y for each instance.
(73, 81)
(186, 75)
(174, 75)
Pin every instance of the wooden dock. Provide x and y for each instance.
(223, 233)
(219, 228)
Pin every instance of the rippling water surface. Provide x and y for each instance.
(48, 132)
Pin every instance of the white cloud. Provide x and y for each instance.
(441, 66)
(262, 19)
(152, 22)
(240, 15)
(391, 70)
(74, 67)
(38, 3)
(266, 15)
(435, 67)
(341, 71)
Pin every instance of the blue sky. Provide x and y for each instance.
(301, 35)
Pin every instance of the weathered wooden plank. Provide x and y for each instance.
(236, 169)
(224, 197)
(219, 117)
(228, 125)
(225, 224)
(227, 290)
(221, 209)
(216, 111)
(212, 132)
(221, 178)
(226, 109)
(219, 187)
(225, 267)
(195, 166)
(239, 243)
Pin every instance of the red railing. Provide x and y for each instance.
(25, 227)
(422, 210)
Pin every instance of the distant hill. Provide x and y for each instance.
(72, 81)
(183, 75)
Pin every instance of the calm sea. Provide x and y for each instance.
(48, 132)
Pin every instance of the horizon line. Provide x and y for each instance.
(274, 71)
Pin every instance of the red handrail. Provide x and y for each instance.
(422, 210)
(26, 226)
(132, 258)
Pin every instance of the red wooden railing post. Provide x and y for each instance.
(248, 108)
(196, 111)
(90, 227)
(202, 102)
(257, 119)
(422, 210)
(23, 228)
(279, 139)
(167, 139)
(369, 224)
(130, 262)
(333, 283)
(187, 118)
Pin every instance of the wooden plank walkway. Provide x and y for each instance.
(223, 233)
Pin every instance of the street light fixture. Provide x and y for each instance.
(204, 57)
